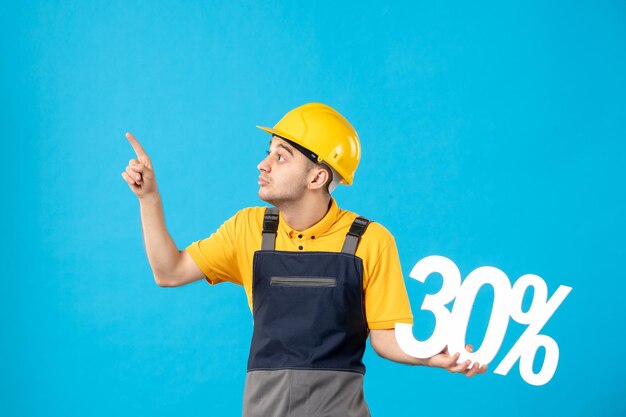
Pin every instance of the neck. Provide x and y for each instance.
(302, 214)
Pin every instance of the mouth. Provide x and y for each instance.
(263, 182)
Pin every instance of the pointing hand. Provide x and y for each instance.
(139, 173)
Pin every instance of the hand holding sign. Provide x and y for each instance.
(139, 173)
(451, 363)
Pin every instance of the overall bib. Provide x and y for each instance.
(309, 330)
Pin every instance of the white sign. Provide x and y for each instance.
(451, 326)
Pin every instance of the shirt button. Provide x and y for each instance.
(300, 236)
(300, 247)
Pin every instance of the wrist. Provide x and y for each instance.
(150, 199)
(424, 362)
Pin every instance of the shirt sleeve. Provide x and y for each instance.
(216, 255)
(386, 298)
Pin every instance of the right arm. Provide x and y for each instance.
(170, 266)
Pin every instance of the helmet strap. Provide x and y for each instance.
(309, 154)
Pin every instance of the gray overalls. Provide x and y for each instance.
(309, 330)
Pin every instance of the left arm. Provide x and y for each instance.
(385, 344)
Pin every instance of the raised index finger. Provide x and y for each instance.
(136, 145)
(141, 154)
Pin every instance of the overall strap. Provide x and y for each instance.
(270, 226)
(354, 235)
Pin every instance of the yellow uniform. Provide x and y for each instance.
(228, 253)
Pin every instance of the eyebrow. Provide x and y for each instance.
(283, 146)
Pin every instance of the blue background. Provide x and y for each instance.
(493, 134)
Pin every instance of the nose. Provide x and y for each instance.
(264, 165)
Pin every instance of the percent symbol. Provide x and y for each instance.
(540, 311)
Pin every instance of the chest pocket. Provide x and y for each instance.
(305, 282)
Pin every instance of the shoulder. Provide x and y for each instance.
(250, 213)
(376, 237)
(378, 232)
(248, 217)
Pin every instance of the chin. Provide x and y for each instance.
(270, 199)
(263, 196)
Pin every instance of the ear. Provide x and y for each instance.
(318, 178)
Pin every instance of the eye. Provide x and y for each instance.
(279, 155)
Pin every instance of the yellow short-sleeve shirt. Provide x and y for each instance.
(227, 256)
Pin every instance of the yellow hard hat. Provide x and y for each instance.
(324, 131)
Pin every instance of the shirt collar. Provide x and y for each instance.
(318, 229)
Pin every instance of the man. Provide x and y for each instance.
(318, 279)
